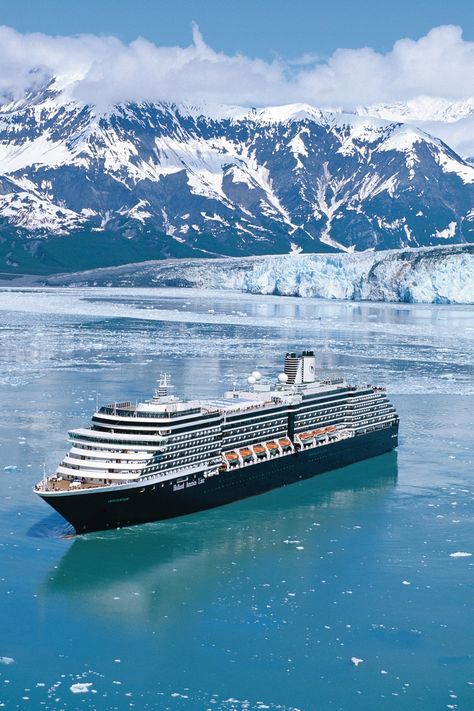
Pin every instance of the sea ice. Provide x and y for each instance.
(460, 554)
(80, 687)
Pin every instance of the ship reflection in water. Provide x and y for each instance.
(149, 571)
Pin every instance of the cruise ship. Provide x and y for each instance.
(168, 456)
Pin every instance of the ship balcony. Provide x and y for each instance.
(76, 453)
(105, 465)
(87, 472)
(123, 475)
(89, 436)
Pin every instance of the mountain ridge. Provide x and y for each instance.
(157, 180)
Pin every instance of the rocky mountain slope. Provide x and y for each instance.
(81, 188)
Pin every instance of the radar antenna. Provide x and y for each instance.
(164, 385)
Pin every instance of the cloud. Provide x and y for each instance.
(104, 71)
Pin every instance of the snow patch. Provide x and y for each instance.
(448, 232)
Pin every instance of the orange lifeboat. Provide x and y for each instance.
(305, 436)
(272, 448)
(285, 443)
(259, 450)
(231, 457)
(245, 453)
(331, 428)
(319, 433)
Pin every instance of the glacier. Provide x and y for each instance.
(443, 275)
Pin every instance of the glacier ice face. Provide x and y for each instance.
(425, 275)
(430, 276)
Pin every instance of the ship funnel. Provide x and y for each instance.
(300, 369)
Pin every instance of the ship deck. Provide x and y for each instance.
(65, 485)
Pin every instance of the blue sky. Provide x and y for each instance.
(257, 28)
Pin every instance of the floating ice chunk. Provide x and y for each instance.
(6, 660)
(81, 687)
(356, 661)
(9, 468)
(406, 582)
(460, 554)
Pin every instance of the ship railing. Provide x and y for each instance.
(61, 484)
(240, 407)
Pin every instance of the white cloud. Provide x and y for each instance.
(439, 64)
(107, 71)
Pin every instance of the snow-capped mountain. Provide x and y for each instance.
(423, 275)
(452, 121)
(422, 108)
(81, 188)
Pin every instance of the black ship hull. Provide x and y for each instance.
(101, 509)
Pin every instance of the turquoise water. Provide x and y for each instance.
(263, 603)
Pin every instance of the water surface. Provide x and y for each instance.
(263, 603)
